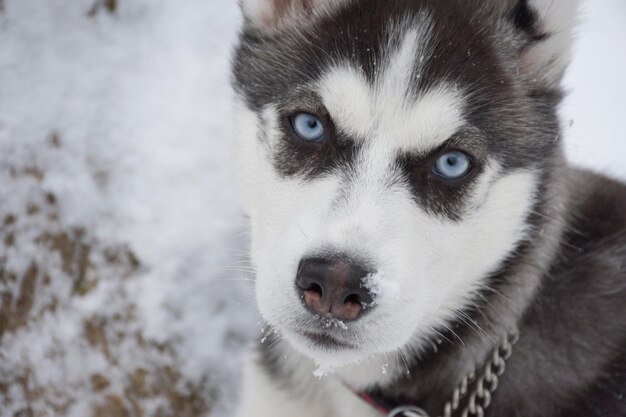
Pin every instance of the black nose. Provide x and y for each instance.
(333, 287)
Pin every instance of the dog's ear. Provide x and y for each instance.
(546, 28)
(272, 14)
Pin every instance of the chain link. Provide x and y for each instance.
(485, 385)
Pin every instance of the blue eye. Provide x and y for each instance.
(453, 165)
(308, 127)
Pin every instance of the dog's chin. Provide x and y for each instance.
(326, 341)
(326, 348)
(358, 366)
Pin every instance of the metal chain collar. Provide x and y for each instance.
(485, 385)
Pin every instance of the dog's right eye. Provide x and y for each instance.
(308, 127)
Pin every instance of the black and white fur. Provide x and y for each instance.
(524, 241)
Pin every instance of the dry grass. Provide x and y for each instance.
(28, 297)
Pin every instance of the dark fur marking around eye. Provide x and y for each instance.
(435, 194)
(296, 157)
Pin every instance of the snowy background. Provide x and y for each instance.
(124, 283)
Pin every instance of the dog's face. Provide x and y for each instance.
(391, 153)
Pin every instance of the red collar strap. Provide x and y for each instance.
(376, 401)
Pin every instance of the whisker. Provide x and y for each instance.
(474, 325)
(451, 331)
(439, 334)
(406, 366)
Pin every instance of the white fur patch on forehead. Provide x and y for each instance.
(389, 109)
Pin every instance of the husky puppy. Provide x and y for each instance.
(412, 215)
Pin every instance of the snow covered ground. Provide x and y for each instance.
(595, 111)
(124, 286)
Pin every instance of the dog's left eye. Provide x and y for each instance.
(308, 127)
(453, 165)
